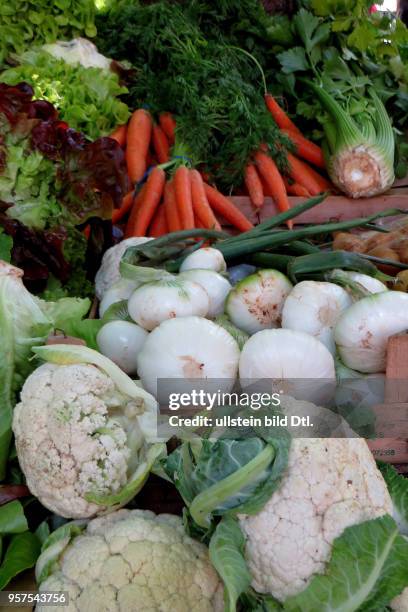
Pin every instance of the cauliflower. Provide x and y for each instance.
(108, 273)
(132, 560)
(80, 439)
(329, 484)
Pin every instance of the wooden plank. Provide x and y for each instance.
(334, 208)
(396, 386)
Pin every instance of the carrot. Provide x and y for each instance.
(296, 189)
(170, 206)
(279, 115)
(201, 207)
(323, 183)
(227, 209)
(182, 188)
(138, 141)
(254, 185)
(119, 134)
(160, 144)
(87, 231)
(306, 149)
(272, 177)
(138, 224)
(134, 207)
(300, 173)
(168, 125)
(126, 205)
(158, 226)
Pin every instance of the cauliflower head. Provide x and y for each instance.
(400, 604)
(108, 274)
(133, 560)
(329, 484)
(76, 436)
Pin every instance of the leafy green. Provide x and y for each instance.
(6, 244)
(398, 489)
(39, 21)
(54, 545)
(86, 98)
(21, 554)
(367, 569)
(12, 518)
(227, 555)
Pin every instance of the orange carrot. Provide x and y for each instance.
(168, 125)
(304, 175)
(182, 188)
(296, 189)
(254, 185)
(272, 177)
(138, 141)
(323, 183)
(158, 226)
(227, 209)
(120, 134)
(170, 206)
(126, 205)
(306, 149)
(160, 144)
(279, 115)
(201, 207)
(153, 191)
(134, 208)
(87, 231)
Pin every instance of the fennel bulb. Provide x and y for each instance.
(314, 307)
(121, 342)
(256, 302)
(362, 332)
(361, 157)
(206, 258)
(216, 286)
(188, 348)
(154, 302)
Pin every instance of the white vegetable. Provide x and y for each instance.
(256, 302)
(216, 286)
(314, 307)
(362, 332)
(189, 348)
(121, 290)
(373, 285)
(121, 341)
(78, 51)
(108, 273)
(158, 301)
(204, 259)
(277, 354)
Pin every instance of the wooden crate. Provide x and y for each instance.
(334, 208)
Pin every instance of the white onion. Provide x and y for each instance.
(189, 348)
(206, 258)
(284, 353)
(256, 302)
(373, 285)
(121, 342)
(216, 286)
(315, 307)
(153, 303)
(121, 290)
(362, 332)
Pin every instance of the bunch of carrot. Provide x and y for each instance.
(156, 205)
(262, 176)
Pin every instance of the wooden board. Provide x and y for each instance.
(395, 405)
(334, 208)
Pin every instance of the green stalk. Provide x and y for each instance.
(273, 241)
(279, 219)
(327, 261)
(385, 262)
(208, 500)
(276, 261)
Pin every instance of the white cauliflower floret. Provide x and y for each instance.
(329, 484)
(400, 603)
(135, 560)
(69, 440)
(108, 273)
